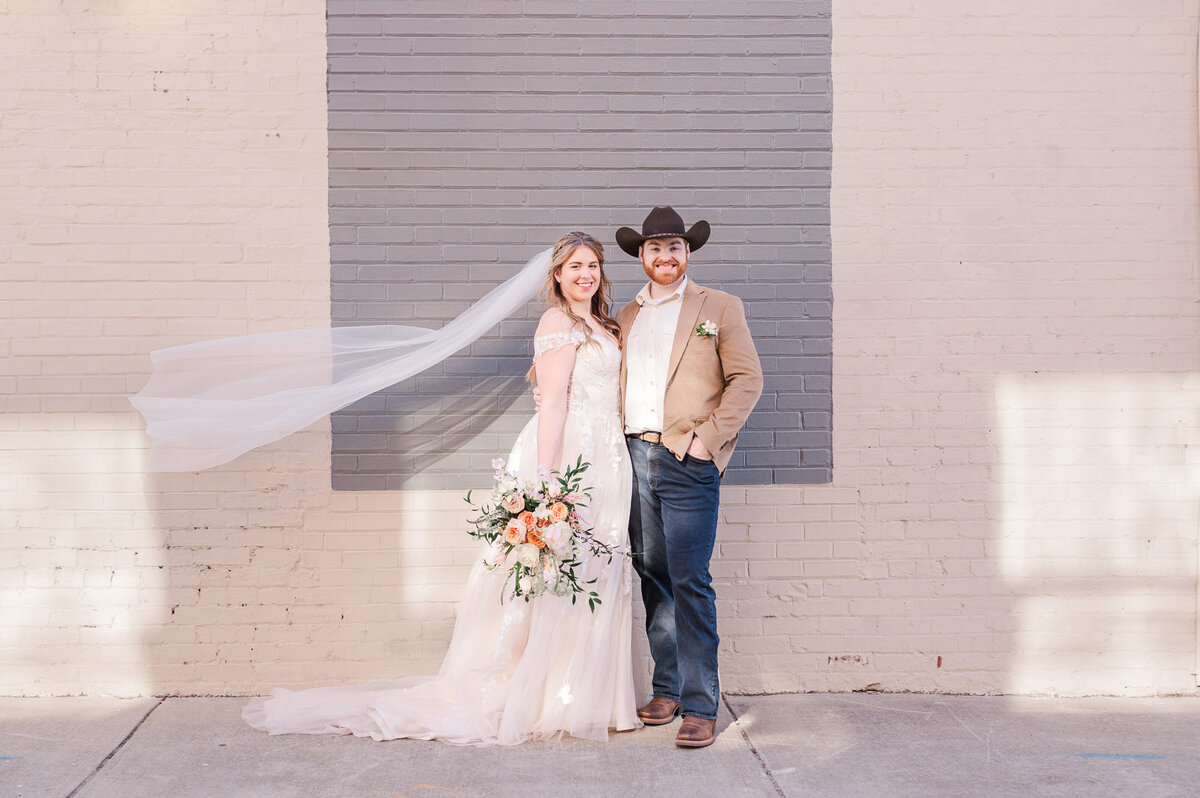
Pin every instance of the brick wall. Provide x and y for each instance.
(163, 174)
(1015, 348)
(1015, 492)
(465, 137)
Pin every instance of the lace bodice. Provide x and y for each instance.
(546, 343)
(595, 386)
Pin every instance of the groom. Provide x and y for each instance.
(689, 377)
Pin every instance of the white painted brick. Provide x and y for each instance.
(1015, 362)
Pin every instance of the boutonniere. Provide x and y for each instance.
(706, 329)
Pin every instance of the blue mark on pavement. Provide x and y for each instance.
(12, 757)
(1122, 756)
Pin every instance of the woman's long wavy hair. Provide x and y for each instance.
(601, 300)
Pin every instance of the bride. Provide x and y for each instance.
(521, 670)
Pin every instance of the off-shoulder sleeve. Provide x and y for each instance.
(547, 343)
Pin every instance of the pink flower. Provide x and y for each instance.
(558, 538)
(496, 558)
(513, 503)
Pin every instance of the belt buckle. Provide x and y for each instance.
(651, 437)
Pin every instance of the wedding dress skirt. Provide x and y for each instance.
(517, 670)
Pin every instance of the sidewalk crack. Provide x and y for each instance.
(753, 749)
(113, 752)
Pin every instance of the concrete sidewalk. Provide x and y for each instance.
(851, 744)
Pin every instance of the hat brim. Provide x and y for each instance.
(630, 240)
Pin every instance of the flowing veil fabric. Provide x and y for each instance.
(207, 403)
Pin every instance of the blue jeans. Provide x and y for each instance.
(672, 530)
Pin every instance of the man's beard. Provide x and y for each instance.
(663, 280)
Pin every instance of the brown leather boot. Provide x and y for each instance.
(658, 711)
(696, 732)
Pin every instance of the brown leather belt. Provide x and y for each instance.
(649, 437)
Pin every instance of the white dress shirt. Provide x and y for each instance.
(647, 355)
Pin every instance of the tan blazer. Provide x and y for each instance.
(712, 383)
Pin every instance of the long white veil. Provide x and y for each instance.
(207, 403)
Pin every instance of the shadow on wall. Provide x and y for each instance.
(1098, 482)
(415, 431)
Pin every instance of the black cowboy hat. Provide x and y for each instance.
(662, 222)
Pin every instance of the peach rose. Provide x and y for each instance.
(527, 519)
(535, 537)
(514, 532)
(558, 511)
(512, 502)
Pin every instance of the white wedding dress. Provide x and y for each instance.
(519, 670)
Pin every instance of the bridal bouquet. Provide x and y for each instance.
(536, 534)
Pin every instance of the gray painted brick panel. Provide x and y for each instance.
(466, 135)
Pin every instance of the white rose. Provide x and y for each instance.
(524, 583)
(526, 554)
